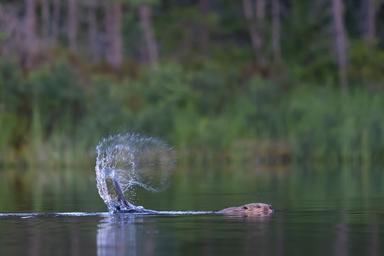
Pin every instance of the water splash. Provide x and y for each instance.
(131, 160)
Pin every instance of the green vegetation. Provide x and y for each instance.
(55, 115)
(216, 79)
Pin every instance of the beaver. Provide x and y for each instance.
(246, 210)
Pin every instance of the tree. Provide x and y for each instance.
(369, 21)
(151, 50)
(55, 20)
(92, 31)
(30, 42)
(72, 20)
(255, 14)
(340, 41)
(114, 50)
(276, 48)
(45, 18)
(204, 32)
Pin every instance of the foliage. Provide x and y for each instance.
(207, 90)
(53, 114)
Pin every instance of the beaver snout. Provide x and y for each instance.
(267, 209)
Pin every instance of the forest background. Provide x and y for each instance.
(272, 81)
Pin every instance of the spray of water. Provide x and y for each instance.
(131, 160)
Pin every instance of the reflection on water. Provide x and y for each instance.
(122, 234)
(286, 233)
(318, 212)
(116, 235)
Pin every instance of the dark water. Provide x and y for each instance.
(319, 211)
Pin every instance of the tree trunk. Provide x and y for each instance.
(276, 48)
(45, 17)
(370, 21)
(340, 41)
(72, 24)
(92, 34)
(260, 11)
(145, 14)
(249, 16)
(30, 42)
(114, 39)
(254, 26)
(56, 13)
(204, 31)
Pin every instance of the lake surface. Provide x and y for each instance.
(318, 211)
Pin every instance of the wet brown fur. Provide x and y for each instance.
(249, 210)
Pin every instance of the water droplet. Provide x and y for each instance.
(131, 160)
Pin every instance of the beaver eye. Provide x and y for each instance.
(245, 207)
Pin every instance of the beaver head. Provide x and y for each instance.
(249, 210)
